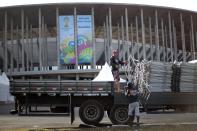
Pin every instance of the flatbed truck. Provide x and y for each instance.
(93, 98)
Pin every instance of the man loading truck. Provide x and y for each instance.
(115, 62)
(133, 97)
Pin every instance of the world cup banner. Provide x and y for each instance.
(67, 44)
(84, 39)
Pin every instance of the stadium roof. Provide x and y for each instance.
(182, 4)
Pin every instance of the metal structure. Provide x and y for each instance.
(164, 84)
(29, 36)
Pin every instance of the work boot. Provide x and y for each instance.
(130, 121)
(138, 121)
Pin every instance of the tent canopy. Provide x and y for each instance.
(4, 89)
(193, 61)
(106, 75)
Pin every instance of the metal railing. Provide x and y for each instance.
(60, 87)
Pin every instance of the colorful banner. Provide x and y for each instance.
(67, 44)
(84, 41)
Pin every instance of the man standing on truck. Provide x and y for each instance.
(133, 96)
(115, 62)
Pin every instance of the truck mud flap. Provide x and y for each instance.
(72, 118)
(72, 111)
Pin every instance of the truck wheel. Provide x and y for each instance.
(119, 115)
(91, 112)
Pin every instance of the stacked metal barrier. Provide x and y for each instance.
(163, 83)
(156, 76)
(175, 80)
(152, 77)
(166, 77)
(188, 77)
(160, 77)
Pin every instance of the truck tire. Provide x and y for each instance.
(91, 112)
(119, 115)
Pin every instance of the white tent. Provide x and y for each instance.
(106, 75)
(193, 61)
(4, 89)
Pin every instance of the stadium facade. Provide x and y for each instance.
(41, 38)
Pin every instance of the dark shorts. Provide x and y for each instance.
(116, 75)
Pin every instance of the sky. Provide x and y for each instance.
(183, 4)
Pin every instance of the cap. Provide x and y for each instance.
(130, 85)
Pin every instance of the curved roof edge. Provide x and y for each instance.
(97, 3)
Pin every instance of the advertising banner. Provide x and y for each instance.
(84, 39)
(67, 44)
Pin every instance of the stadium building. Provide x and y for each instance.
(40, 41)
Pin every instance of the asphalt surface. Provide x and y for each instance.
(13, 122)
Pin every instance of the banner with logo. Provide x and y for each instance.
(84, 39)
(67, 44)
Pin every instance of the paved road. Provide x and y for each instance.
(10, 122)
